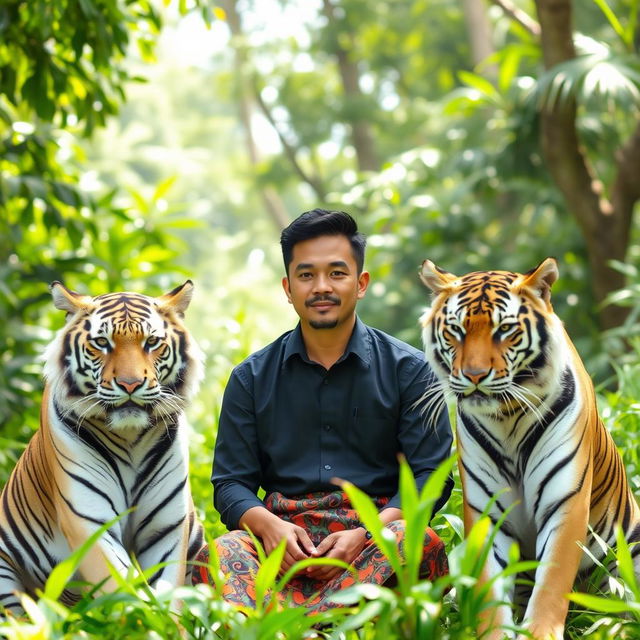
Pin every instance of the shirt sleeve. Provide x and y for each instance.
(425, 437)
(236, 474)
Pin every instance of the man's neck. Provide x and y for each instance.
(326, 346)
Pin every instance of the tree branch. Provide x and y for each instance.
(519, 16)
(290, 152)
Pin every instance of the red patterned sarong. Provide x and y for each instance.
(319, 514)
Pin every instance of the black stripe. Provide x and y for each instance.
(551, 509)
(161, 505)
(562, 463)
(482, 485)
(161, 534)
(483, 437)
(526, 447)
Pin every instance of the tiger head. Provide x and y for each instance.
(124, 359)
(488, 334)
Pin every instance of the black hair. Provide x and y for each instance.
(320, 222)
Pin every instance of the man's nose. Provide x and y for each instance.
(322, 283)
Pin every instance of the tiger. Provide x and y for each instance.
(527, 421)
(112, 442)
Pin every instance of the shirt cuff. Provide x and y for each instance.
(234, 513)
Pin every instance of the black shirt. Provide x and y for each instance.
(289, 425)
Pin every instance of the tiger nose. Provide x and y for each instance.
(129, 384)
(475, 375)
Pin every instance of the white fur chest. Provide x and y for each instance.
(526, 459)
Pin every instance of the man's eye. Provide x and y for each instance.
(102, 343)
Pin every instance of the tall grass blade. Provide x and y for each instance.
(63, 572)
(268, 573)
(384, 538)
(625, 563)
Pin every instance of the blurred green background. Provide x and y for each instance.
(142, 143)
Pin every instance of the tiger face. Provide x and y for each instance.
(487, 333)
(123, 357)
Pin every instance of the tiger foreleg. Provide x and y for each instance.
(165, 555)
(496, 619)
(108, 552)
(162, 536)
(559, 553)
(10, 588)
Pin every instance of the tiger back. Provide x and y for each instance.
(527, 421)
(112, 437)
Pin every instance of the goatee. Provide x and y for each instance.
(323, 324)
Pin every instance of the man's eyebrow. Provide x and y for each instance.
(310, 265)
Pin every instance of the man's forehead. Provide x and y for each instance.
(323, 251)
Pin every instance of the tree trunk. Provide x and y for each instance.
(479, 32)
(270, 197)
(605, 224)
(361, 135)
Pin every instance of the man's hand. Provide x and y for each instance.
(272, 530)
(342, 545)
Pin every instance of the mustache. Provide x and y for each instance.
(324, 298)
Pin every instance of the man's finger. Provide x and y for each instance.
(325, 545)
(305, 541)
(293, 548)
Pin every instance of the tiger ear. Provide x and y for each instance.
(541, 279)
(435, 278)
(177, 299)
(67, 300)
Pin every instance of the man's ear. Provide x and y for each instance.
(363, 282)
(287, 289)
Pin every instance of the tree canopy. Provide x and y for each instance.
(477, 135)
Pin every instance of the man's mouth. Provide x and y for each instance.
(323, 304)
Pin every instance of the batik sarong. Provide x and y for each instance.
(319, 514)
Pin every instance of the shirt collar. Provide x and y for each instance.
(359, 344)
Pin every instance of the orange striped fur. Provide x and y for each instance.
(527, 421)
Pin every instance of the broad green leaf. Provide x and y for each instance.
(479, 83)
(604, 605)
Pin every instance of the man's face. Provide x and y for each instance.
(323, 283)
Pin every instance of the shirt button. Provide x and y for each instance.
(325, 381)
(327, 427)
(327, 467)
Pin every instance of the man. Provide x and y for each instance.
(332, 398)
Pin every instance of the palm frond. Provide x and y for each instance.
(597, 73)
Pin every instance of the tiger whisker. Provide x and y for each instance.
(516, 393)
